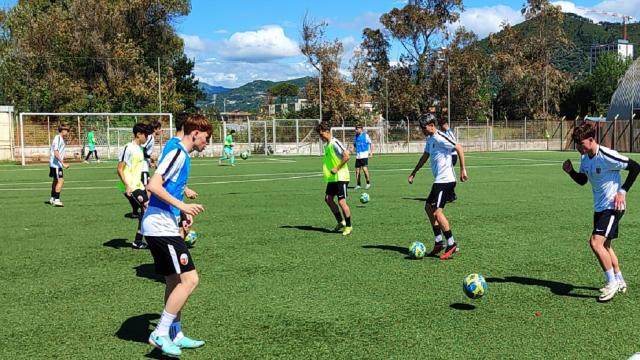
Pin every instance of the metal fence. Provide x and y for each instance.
(297, 136)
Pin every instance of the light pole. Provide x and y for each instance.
(320, 88)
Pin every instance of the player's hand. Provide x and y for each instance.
(191, 209)
(334, 170)
(463, 175)
(411, 177)
(186, 224)
(128, 190)
(190, 193)
(619, 201)
(567, 166)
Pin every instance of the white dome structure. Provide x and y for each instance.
(626, 99)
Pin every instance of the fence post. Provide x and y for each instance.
(265, 138)
(48, 132)
(408, 135)
(249, 133)
(22, 138)
(525, 129)
(561, 132)
(79, 132)
(297, 137)
(631, 133)
(108, 139)
(274, 135)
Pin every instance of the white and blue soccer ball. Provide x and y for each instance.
(364, 198)
(244, 155)
(191, 238)
(474, 286)
(417, 250)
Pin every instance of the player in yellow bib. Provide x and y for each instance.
(130, 168)
(336, 175)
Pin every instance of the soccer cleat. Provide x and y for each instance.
(347, 230)
(340, 226)
(86, 162)
(187, 343)
(139, 245)
(622, 287)
(165, 344)
(51, 200)
(609, 291)
(436, 249)
(448, 252)
(58, 203)
(357, 187)
(367, 187)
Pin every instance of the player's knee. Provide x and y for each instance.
(328, 199)
(191, 280)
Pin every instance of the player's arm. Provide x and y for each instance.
(156, 188)
(619, 199)
(121, 165)
(419, 165)
(463, 168)
(190, 193)
(579, 178)
(56, 154)
(370, 148)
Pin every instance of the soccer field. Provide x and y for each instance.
(275, 282)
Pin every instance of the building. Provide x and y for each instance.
(623, 47)
(235, 116)
(625, 101)
(273, 109)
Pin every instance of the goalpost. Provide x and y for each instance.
(347, 134)
(478, 138)
(36, 135)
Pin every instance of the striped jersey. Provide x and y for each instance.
(451, 136)
(603, 172)
(56, 144)
(439, 147)
(147, 149)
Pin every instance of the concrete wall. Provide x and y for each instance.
(6, 131)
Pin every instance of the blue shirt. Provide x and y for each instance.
(362, 143)
(174, 168)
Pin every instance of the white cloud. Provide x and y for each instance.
(193, 43)
(221, 31)
(486, 20)
(268, 43)
(234, 74)
(595, 13)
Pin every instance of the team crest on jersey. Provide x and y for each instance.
(184, 259)
(598, 170)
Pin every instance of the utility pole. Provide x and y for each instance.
(386, 88)
(159, 88)
(320, 87)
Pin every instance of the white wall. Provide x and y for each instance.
(6, 133)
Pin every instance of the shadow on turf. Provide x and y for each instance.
(415, 198)
(148, 271)
(461, 306)
(138, 329)
(400, 249)
(307, 228)
(556, 287)
(117, 244)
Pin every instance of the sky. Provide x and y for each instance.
(236, 42)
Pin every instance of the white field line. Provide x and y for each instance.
(299, 176)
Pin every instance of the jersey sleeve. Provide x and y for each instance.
(56, 143)
(171, 164)
(338, 148)
(368, 138)
(148, 148)
(613, 160)
(444, 141)
(126, 155)
(582, 169)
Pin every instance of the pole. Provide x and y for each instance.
(320, 88)
(79, 132)
(448, 92)
(265, 138)
(108, 139)
(159, 88)
(408, 135)
(525, 129)
(48, 131)
(297, 136)
(22, 138)
(171, 127)
(249, 133)
(386, 86)
(273, 130)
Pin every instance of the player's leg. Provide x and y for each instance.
(342, 201)
(95, 153)
(175, 330)
(54, 180)
(59, 182)
(232, 158)
(437, 231)
(357, 174)
(365, 169)
(138, 242)
(604, 258)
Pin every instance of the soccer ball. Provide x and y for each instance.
(364, 198)
(417, 250)
(191, 238)
(474, 286)
(244, 155)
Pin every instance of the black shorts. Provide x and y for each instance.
(605, 223)
(440, 194)
(145, 178)
(337, 188)
(56, 173)
(170, 255)
(362, 162)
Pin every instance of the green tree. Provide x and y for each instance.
(283, 91)
(604, 79)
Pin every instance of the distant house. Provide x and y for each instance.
(273, 109)
(235, 116)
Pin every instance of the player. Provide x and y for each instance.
(147, 147)
(130, 170)
(601, 166)
(161, 230)
(438, 147)
(364, 150)
(227, 152)
(91, 144)
(446, 129)
(57, 164)
(336, 175)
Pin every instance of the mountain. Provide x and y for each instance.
(210, 89)
(248, 97)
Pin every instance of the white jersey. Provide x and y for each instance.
(147, 149)
(451, 136)
(603, 171)
(56, 144)
(439, 148)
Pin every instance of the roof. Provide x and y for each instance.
(626, 98)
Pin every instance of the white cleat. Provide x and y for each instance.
(367, 187)
(357, 187)
(623, 287)
(58, 203)
(609, 291)
(51, 201)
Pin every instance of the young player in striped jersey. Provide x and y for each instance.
(147, 148)
(130, 170)
(227, 151)
(364, 150)
(601, 166)
(446, 129)
(438, 148)
(336, 175)
(161, 229)
(57, 164)
(171, 144)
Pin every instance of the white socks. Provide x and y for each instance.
(165, 322)
(619, 277)
(611, 277)
(439, 238)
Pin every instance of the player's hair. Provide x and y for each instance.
(442, 121)
(180, 119)
(426, 119)
(323, 126)
(197, 122)
(232, 131)
(583, 131)
(155, 124)
(359, 126)
(141, 128)
(63, 127)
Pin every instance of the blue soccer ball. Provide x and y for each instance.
(364, 198)
(191, 238)
(474, 286)
(417, 250)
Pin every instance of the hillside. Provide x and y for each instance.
(247, 97)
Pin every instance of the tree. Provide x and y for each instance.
(375, 53)
(283, 91)
(604, 79)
